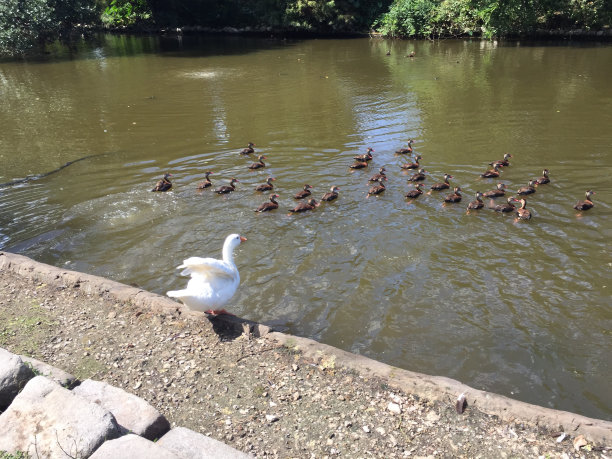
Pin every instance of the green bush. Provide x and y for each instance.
(408, 18)
(23, 25)
(126, 13)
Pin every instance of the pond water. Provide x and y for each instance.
(523, 309)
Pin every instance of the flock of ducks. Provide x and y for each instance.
(378, 186)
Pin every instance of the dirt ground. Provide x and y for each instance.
(261, 397)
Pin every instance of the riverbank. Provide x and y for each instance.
(263, 392)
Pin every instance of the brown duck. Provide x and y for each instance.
(271, 205)
(477, 204)
(414, 165)
(502, 162)
(377, 189)
(359, 165)
(164, 183)
(491, 173)
(304, 206)
(443, 185)
(508, 207)
(259, 164)
(544, 179)
(497, 192)
(418, 177)
(365, 157)
(331, 194)
(266, 186)
(380, 176)
(455, 196)
(418, 191)
(304, 193)
(529, 189)
(587, 203)
(248, 150)
(407, 150)
(206, 183)
(227, 188)
(522, 212)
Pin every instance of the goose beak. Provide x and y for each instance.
(243, 239)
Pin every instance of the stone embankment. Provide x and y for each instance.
(43, 418)
(147, 365)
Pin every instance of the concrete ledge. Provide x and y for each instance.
(432, 387)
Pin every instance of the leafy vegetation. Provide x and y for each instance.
(25, 24)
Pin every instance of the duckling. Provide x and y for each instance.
(508, 207)
(529, 189)
(304, 206)
(259, 164)
(359, 165)
(206, 183)
(331, 195)
(266, 186)
(522, 213)
(227, 188)
(587, 203)
(164, 183)
(365, 157)
(377, 189)
(455, 197)
(418, 177)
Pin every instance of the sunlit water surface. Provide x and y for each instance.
(521, 309)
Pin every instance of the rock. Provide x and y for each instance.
(49, 419)
(134, 447)
(461, 404)
(133, 414)
(366, 429)
(14, 374)
(272, 418)
(61, 377)
(394, 408)
(188, 444)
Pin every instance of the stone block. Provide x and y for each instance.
(133, 447)
(133, 414)
(14, 374)
(188, 444)
(61, 377)
(47, 421)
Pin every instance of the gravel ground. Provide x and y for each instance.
(258, 396)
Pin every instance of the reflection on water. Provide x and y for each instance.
(522, 309)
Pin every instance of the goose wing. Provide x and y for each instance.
(207, 267)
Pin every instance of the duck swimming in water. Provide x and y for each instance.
(414, 165)
(418, 191)
(491, 173)
(266, 186)
(365, 157)
(502, 162)
(477, 204)
(304, 206)
(331, 194)
(419, 176)
(544, 179)
(206, 183)
(587, 203)
(248, 150)
(508, 207)
(455, 197)
(381, 175)
(377, 189)
(408, 149)
(227, 188)
(259, 164)
(529, 189)
(304, 193)
(497, 192)
(359, 165)
(271, 205)
(522, 213)
(443, 185)
(164, 183)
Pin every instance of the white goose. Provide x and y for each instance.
(213, 282)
